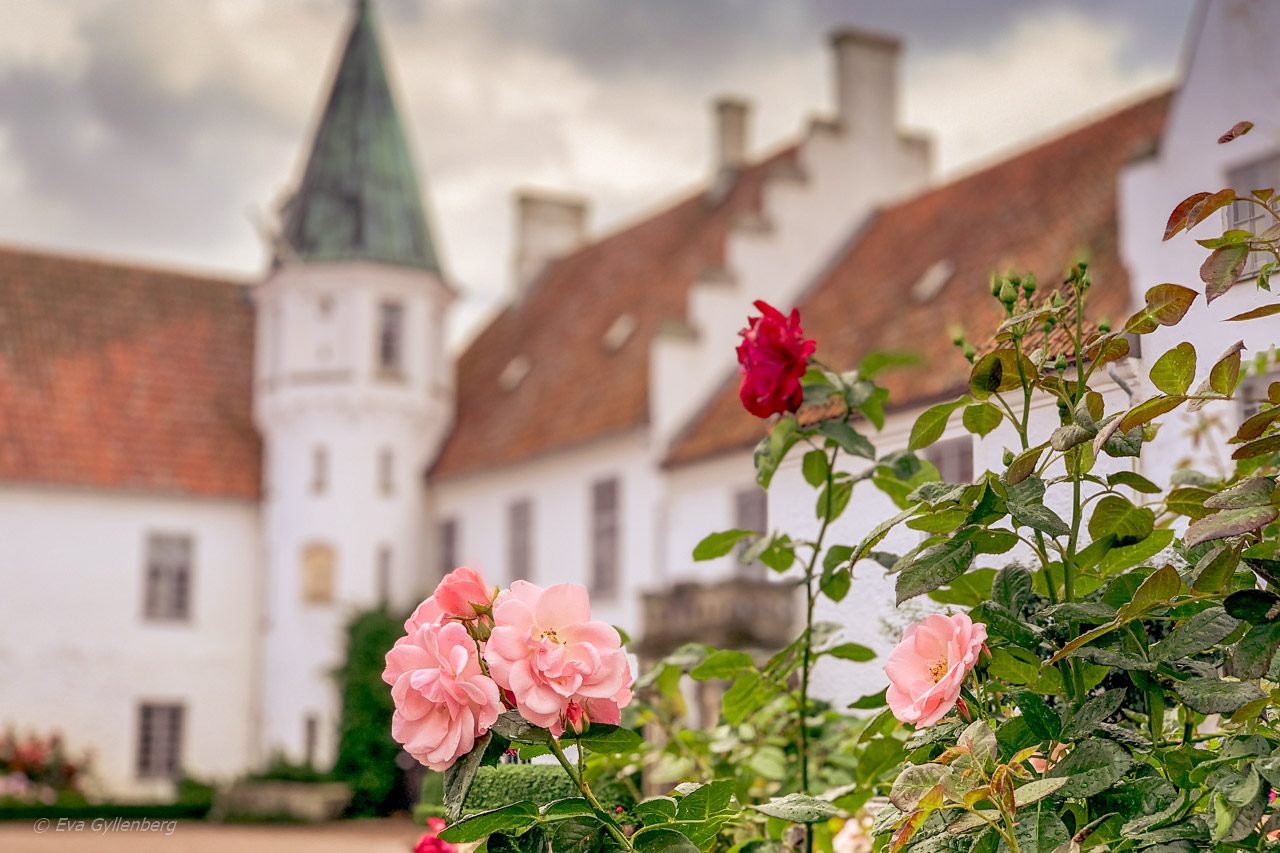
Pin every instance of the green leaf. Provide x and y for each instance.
(662, 840)
(798, 808)
(1214, 696)
(656, 810)
(833, 499)
(1174, 371)
(1091, 767)
(1255, 491)
(981, 418)
(1228, 522)
(1119, 559)
(517, 729)
(1036, 790)
(915, 782)
(1255, 313)
(610, 740)
(1000, 370)
(567, 808)
(1148, 411)
(515, 817)
(530, 841)
(1224, 376)
(1011, 587)
(1201, 632)
(938, 565)
(1116, 516)
(849, 439)
(1135, 481)
(722, 663)
(705, 800)
(1258, 606)
(1024, 465)
(851, 651)
(742, 697)
(458, 778)
(1040, 830)
(1093, 712)
(1041, 719)
(1252, 656)
(836, 585)
(719, 544)
(870, 701)
(1222, 269)
(932, 423)
(815, 467)
(1215, 569)
(1156, 589)
(1166, 305)
(1039, 517)
(1261, 447)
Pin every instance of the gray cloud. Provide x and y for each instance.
(149, 129)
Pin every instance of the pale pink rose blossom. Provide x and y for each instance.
(558, 664)
(854, 837)
(443, 700)
(928, 667)
(462, 594)
(1040, 764)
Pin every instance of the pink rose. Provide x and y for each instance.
(443, 700)
(560, 666)
(773, 356)
(463, 594)
(928, 667)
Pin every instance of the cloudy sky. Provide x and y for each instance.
(163, 130)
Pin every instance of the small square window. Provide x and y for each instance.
(1245, 215)
(390, 337)
(605, 537)
(167, 584)
(318, 570)
(750, 512)
(520, 539)
(159, 750)
(953, 457)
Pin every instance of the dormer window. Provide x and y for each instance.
(515, 372)
(390, 337)
(932, 281)
(619, 332)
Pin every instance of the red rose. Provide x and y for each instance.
(428, 843)
(774, 356)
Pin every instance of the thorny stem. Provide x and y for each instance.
(810, 597)
(585, 789)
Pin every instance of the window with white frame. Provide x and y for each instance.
(390, 336)
(1245, 215)
(605, 537)
(953, 457)
(167, 585)
(159, 747)
(520, 539)
(750, 512)
(1253, 393)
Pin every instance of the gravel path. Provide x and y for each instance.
(366, 836)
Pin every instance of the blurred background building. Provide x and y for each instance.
(202, 479)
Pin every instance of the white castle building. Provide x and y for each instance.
(202, 480)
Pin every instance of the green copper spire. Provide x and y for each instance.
(359, 197)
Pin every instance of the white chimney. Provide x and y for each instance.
(732, 126)
(548, 226)
(866, 81)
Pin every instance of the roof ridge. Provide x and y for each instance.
(93, 258)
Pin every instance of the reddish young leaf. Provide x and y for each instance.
(1237, 130)
(1221, 270)
(1178, 219)
(1254, 314)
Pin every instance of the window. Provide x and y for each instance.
(384, 576)
(390, 336)
(750, 512)
(604, 537)
(168, 577)
(386, 471)
(953, 457)
(1253, 394)
(448, 546)
(1258, 175)
(520, 539)
(159, 740)
(310, 738)
(319, 471)
(318, 569)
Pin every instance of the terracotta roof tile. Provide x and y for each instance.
(1038, 211)
(121, 377)
(576, 390)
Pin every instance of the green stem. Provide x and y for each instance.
(607, 819)
(810, 598)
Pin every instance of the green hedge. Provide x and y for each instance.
(366, 751)
(193, 803)
(504, 784)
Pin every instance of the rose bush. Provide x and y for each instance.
(1104, 675)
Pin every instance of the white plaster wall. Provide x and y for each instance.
(1233, 73)
(559, 488)
(699, 499)
(76, 654)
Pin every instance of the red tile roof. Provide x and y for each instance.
(576, 390)
(121, 377)
(1038, 211)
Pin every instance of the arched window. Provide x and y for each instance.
(319, 570)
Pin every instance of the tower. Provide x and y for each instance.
(352, 396)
